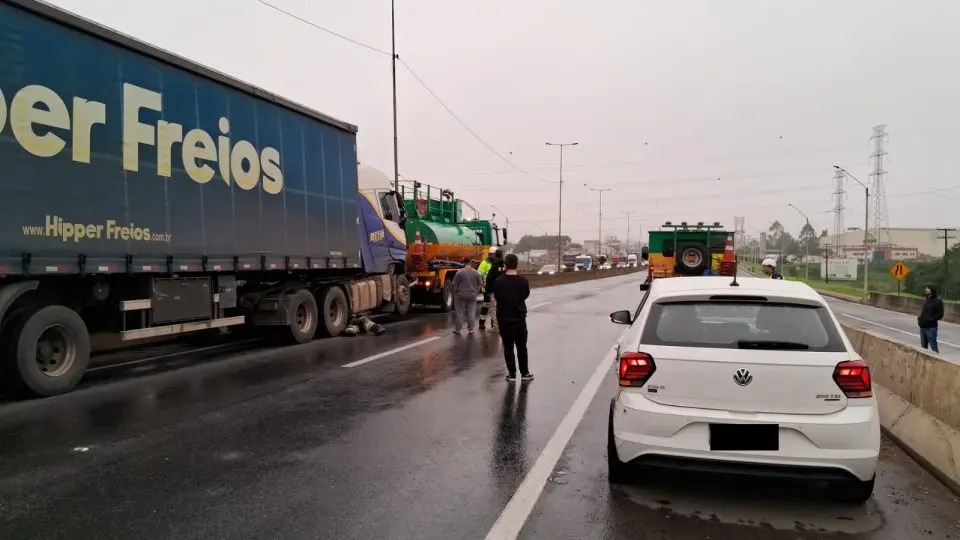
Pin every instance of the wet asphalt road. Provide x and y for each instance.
(429, 442)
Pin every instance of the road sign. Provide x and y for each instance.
(899, 271)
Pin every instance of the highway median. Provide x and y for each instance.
(549, 280)
(918, 395)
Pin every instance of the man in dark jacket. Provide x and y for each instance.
(931, 313)
(511, 292)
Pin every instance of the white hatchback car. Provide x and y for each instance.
(751, 378)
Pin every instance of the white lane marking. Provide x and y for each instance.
(887, 311)
(916, 335)
(391, 351)
(171, 355)
(541, 304)
(515, 514)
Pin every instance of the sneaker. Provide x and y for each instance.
(457, 332)
(470, 331)
(527, 377)
(511, 377)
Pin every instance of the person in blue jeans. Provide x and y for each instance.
(929, 317)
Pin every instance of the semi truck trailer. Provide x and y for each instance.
(143, 195)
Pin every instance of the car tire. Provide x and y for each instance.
(618, 472)
(853, 491)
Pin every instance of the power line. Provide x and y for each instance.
(418, 79)
(322, 29)
(466, 127)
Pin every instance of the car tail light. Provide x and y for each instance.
(636, 368)
(854, 379)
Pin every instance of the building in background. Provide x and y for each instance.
(897, 243)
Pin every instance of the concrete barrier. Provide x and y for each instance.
(911, 305)
(575, 277)
(919, 399)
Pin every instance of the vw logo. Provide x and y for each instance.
(742, 377)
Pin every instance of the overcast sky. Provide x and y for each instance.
(663, 97)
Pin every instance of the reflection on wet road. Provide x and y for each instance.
(427, 441)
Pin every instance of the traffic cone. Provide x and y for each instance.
(418, 254)
(728, 254)
(728, 264)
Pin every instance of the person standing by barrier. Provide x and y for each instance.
(467, 284)
(929, 318)
(511, 291)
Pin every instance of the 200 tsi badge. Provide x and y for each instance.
(742, 377)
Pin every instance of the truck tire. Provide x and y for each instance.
(446, 297)
(692, 259)
(47, 351)
(335, 312)
(303, 315)
(401, 296)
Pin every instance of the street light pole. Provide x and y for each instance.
(628, 231)
(600, 220)
(866, 231)
(806, 259)
(393, 61)
(560, 206)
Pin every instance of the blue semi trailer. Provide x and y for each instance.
(143, 195)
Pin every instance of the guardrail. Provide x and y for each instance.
(563, 278)
(919, 399)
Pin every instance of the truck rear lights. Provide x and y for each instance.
(636, 368)
(854, 379)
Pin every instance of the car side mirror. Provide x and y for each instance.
(621, 317)
(645, 286)
(504, 236)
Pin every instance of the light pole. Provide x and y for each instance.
(560, 206)
(866, 231)
(629, 219)
(393, 65)
(806, 258)
(600, 220)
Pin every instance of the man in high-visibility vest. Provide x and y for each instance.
(490, 269)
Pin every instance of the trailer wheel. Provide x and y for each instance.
(401, 295)
(446, 298)
(47, 351)
(335, 312)
(693, 258)
(303, 316)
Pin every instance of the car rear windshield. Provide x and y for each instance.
(743, 325)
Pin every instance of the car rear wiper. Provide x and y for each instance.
(771, 345)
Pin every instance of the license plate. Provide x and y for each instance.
(744, 437)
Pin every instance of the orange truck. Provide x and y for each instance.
(441, 240)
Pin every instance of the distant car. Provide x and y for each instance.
(606, 266)
(754, 379)
(549, 269)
